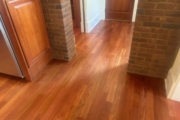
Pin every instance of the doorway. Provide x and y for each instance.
(88, 13)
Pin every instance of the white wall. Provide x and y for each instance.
(93, 13)
(102, 4)
(176, 94)
(173, 80)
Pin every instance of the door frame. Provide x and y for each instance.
(135, 10)
(83, 19)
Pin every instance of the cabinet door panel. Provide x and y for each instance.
(30, 28)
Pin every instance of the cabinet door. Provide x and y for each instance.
(29, 24)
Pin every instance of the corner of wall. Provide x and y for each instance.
(169, 83)
(173, 81)
(102, 14)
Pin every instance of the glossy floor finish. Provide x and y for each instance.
(93, 86)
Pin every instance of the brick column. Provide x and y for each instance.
(156, 37)
(58, 19)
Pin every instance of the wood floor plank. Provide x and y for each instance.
(94, 85)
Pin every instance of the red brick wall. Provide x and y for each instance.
(58, 19)
(156, 37)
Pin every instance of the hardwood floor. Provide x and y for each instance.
(93, 86)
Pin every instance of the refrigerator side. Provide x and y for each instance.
(8, 62)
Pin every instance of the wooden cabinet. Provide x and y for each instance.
(29, 25)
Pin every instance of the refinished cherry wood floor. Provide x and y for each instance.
(93, 86)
